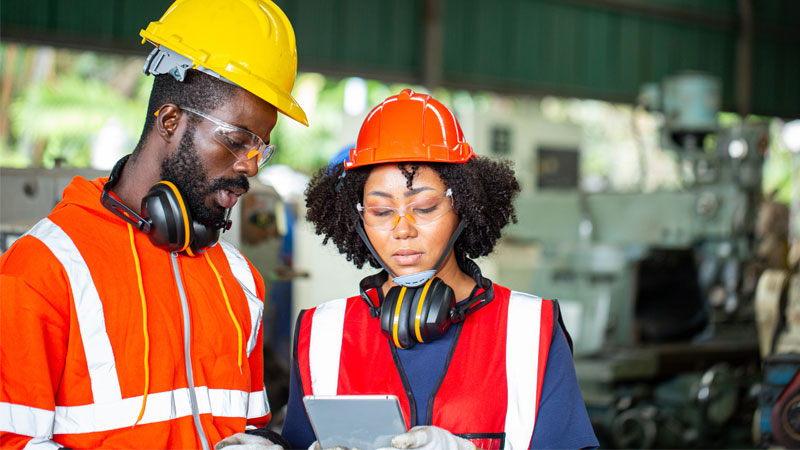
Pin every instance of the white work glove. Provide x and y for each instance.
(242, 441)
(315, 446)
(428, 437)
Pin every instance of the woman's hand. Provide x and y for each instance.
(428, 437)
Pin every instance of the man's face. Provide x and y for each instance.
(186, 170)
(206, 172)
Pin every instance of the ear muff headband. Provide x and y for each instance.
(396, 317)
(184, 214)
(418, 316)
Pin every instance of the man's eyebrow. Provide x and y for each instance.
(244, 127)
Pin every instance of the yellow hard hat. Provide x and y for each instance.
(249, 43)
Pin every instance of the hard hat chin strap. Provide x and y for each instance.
(165, 61)
(412, 279)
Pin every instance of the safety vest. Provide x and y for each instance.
(493, 379)
(203, 378)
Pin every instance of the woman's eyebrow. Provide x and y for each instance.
(379, 194)
(416, 191)
(407, 193)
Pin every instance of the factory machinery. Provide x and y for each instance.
(658, 289)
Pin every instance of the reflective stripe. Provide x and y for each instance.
(26, 420)
(41, 444)
(325, 346)
(258, 404)
(241, 270)
(161, 407)
(109, 410)
(522, 359)
(89, 309)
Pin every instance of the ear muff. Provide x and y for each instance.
(165, 217)
(409, 315)
(417, 314)
(203, 238)
(170, 219)
(172, 226)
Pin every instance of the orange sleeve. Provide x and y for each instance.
(34, 328)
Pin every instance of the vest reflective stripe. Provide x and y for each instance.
(525, 360)
(161, 407)
(241, 270)
(325, 346)
(522, 368)
(89, 309)
(258, 404)
(26, 420)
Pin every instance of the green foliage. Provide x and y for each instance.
(62, 110)
(69, 112)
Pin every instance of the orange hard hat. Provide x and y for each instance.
(409, 127)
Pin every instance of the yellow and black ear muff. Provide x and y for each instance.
(417, 314)
(433, 304)
(165, 217)
(171, 222)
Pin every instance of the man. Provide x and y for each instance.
(123, 322)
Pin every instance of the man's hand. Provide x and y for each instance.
(430, 438)
(242, 441)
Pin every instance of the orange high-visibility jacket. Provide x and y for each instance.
(76, 324)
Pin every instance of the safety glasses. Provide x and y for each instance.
(244, 144)
(420, 212)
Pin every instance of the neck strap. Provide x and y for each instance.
(413, 279)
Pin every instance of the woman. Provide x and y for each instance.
(471, 361)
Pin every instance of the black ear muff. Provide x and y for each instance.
(165, 217)
(171, 222)
(417, 314)
(203, 238)
(431, 310)
(409, 315)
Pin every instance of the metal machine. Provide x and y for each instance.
(656, 288)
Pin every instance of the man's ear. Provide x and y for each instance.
(167, 118)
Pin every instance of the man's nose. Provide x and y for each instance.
(246, 167)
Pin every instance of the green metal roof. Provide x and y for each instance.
(602, 49)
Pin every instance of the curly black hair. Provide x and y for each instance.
(483, 194)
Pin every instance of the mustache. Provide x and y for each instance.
(224, 183)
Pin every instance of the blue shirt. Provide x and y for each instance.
(561, 422)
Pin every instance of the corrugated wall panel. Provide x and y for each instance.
(363, 34)
(567, 48)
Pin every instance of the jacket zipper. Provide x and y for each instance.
(187, 351)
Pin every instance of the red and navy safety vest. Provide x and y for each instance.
(493, 382)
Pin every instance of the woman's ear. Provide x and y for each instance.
(167, 118)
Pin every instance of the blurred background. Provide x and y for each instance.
(657, 143)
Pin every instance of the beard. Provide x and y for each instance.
(185, 169)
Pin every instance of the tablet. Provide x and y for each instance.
(355, 421)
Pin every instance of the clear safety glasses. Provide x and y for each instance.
(242, 143)
(420, 212)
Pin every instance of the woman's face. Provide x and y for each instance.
(409, 247)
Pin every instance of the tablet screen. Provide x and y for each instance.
(355, 421)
